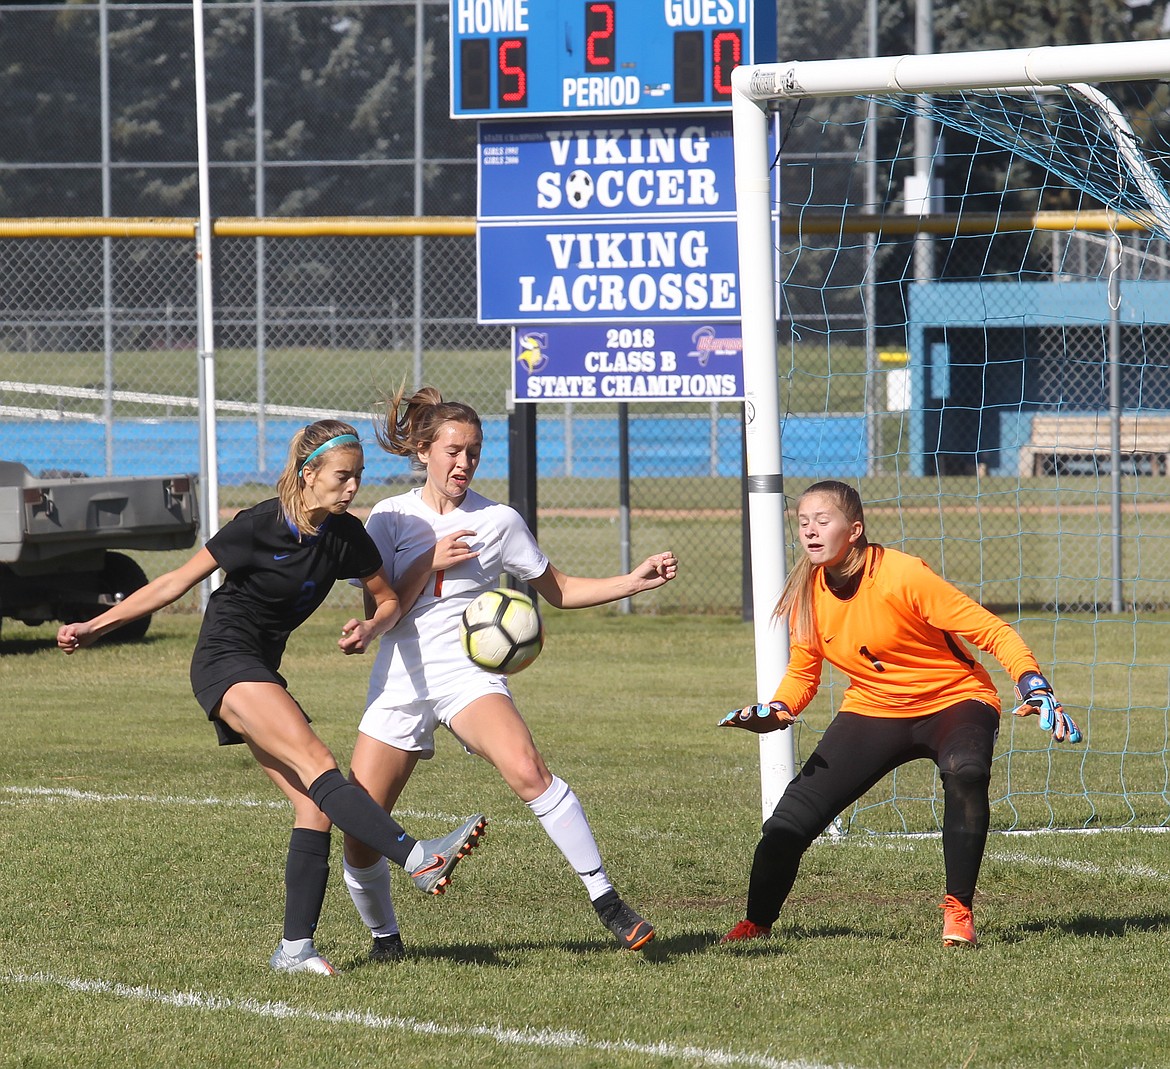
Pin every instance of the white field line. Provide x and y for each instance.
(897, 842)
(1084, 868)
(1020, 857)
(541, 1039)
(19, 795)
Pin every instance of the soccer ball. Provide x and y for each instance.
(579, 189)
(501, 631)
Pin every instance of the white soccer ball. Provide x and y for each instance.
(501, 631)
(579, 189)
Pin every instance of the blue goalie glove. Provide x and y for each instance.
(775, 716)
(1036, 697)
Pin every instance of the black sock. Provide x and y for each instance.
(306, 872)
(355, 812)
(773, 873)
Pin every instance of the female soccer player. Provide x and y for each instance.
(893, 627)
(281, 557)
(421, 677)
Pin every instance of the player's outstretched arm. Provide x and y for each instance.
(579, 592)
(157, 594)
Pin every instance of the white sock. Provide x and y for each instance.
(295, 947)
(370, 890)
(561, 815)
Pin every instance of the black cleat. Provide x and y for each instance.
(630, 930)
(387, 948)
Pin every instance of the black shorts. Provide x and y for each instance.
(211, 679)
(856, 752)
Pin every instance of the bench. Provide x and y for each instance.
(1059, 442)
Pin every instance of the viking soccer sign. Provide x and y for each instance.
(585, 221)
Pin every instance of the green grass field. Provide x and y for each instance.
(141, 890)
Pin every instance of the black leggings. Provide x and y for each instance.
(856, 752)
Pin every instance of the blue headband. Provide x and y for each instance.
(341, 439)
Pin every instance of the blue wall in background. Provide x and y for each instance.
(660, 446)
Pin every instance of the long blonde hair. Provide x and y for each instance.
(412, 424)
(291, 484)
(796, 599)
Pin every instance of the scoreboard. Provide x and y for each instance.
(535, 58)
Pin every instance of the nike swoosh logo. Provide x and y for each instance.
(402, 837)
(437, 862)
(280, 556)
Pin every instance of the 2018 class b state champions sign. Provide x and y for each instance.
(629, 363)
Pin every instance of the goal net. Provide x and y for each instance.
(970, 302)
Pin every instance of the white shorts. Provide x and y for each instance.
(411, 727)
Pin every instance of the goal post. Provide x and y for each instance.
(909, 83)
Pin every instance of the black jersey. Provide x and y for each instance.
(274, 581)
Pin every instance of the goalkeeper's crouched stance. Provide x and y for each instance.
(897, 630)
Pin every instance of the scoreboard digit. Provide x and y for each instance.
(600, 57)
(535, 58)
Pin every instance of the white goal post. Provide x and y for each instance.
(755, 87)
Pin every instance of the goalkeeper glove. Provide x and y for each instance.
(775, 716)
(1035, 695)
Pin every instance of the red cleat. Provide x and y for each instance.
(958, 924)
(745, 929)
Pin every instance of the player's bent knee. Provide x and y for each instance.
(781, 832)
(967, 774)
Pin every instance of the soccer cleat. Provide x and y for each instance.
(307, 960)
(440, 856)
(630, 930)
(958, 923)
(745, 929)
(387, 948)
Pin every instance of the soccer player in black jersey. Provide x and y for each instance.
(280, 559)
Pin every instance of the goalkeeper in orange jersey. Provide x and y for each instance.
(915, 691)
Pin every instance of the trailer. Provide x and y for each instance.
(62, 537)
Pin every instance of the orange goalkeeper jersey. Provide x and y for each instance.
(898, 640)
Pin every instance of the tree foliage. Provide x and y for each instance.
(339, 91)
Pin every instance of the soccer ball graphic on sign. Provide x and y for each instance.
(501, 631)
(579, 189)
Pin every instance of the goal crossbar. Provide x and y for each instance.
(1046, 65)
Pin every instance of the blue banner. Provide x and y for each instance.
(683, 269)
(666, 165)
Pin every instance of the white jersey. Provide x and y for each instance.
(421, 657)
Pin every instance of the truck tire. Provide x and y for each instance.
(121, 576)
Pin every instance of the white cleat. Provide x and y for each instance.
(307, 960)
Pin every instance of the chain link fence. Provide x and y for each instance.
(326, 325)
(307, 327)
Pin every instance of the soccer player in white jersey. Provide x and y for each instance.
(422, 678)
